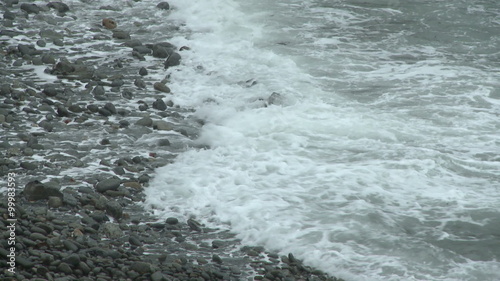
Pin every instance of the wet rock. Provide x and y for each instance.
(194, 225)
(104, 112)
(30, 8)
(162, 125)
(143, 71)
(58, 42)
(62, 111)
(127, 94)
(120, 34)
(159, 104)
(172, 220)
(161, 52)
(164, 142)
(275, 98)
(8, 15)
(28, 50)
(109, 23)
(173, 60)
(111, 230)
(141, 267)
(36, 190)
(161, 87)
(135, 241)
(107, 184)
(64, 268)
(30, 166)
(139, 83)
(163, 6)
(69, 245)
(145, 121)
(48, 59)
(143, 50)
(114, 209)
(93, 108)
(50, 34)
(54, 202)
(41, 43)
(110, 107)
(59, 6)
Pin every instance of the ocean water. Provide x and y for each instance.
(380, 160)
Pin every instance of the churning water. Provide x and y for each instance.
(380, 158)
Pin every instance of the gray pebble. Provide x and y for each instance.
(54, 202)
(143, 71)
(29, 166)
(143, 107)
(8, 15)
(64, 268)
(110, 107)
(173, 60)
(58, 42)
(139, 83)
(108, 184)
(126, 94)
(104, 112)
(98, 90)
(164, 142)
(48, 59)
(59, 6)
(70, 245)
(92, 108)
(159, 104)
(30, 8)
(41, 43)
(120, 34)
(162, 125)
(163, 6)
(161, 87)
(145, 121)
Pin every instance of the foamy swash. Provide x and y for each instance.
(380, 159)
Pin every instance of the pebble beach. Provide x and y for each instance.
(85, 122)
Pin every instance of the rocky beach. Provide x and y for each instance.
(84, 122)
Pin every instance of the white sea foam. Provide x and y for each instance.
(381, 164)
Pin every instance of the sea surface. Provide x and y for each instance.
(379, 156)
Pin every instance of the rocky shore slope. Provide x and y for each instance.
(83, 125)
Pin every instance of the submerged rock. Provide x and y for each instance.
(173, 60)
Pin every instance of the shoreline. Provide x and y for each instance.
(82, 136)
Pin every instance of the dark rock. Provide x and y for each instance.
(58, 42)
(64, 268)
(163, 6)
(98, 90)
(99, 216)
(161, 87)
(69, 245)
(126, 94)
(111, 230)
(62, 111)
(30, 166)
(107, 184)
(145, 121)
(110, 107)
(36, 190)
(51, 34)
(135, 241)
(41, 43)
(104, 112)
(173, 60)
(8, 15)
(164, 142)
(59, 6)
(139, 83)
(72, 260)
(216, 258)
(63, 67)
(143, 107)
(162, 125)
(24, 262)
(143, 71)
(158, 276)
(159, 104)
(194, 225)
(141, 267)
(28, 50)
(54, 202)
(69, 199)
(92, 107)
(172, 220)
(161, 52)
(114, 209)
(48, 59)
(30, 8)
(75, 108)
(143, 50)
(120, 34)
(105, 142)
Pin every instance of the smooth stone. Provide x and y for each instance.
(161, 87)
(172, 220)
(30, 8)
(111, 230)
(143, 71)
(162, 125)
(36, 190)
(29, 166)
(145, 121)
(159, 104)
(163, 6)
(164, 142)
(109, 23)
(41, 43)
(108, 184)
(54, 202)
(114, 209)
(173, 60)
(110, 107)
(59, 6)
(143, 50)
(141, 267)
(123, 35)
(139, 83)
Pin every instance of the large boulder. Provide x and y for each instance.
(36, 190)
